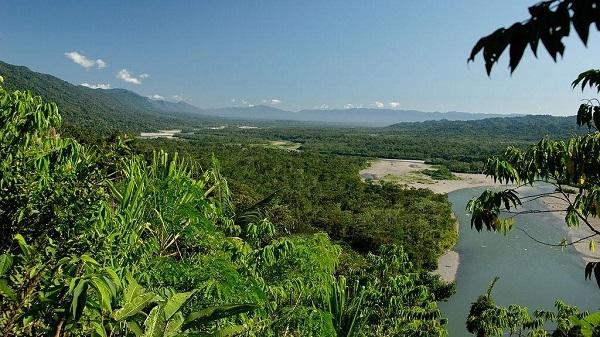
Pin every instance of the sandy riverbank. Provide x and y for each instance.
(574, 234)
(407, 172)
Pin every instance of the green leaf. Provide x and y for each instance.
(25, 248)
(135, 328)
(133, 290)
(589, 324)
(6, 290)
(104, 291)
(155, 323)
(114, 277)
(174, 325)
(214, 313)
(79, 299)
(89, 259)
(6, 262)
(230, 331)
(133, 307)
(99, 329)
(175, 303)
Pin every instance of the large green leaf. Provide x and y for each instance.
(79, 299)
(174, 325)
(133, 307)
(5, 263)
(589, 324)
(155, 323)
(25, 248)
(104, 291)
(214, 313)
(133, 290)
(6, 290)
(175, 303)
(135, 328)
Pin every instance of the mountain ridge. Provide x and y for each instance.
(120, 109)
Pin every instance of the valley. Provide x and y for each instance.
(295, 170)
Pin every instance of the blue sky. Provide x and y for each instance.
(293, 54)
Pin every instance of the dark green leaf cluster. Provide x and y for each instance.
(549, 23)
(487, 319)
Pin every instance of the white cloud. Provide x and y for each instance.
(85, 62)
(349, 106)
(394, 104)
(157, 97)
(271, 101)
(126, 76)
(96, 86)
(174, 98)
(378, 104)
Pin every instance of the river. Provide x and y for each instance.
(531, 274)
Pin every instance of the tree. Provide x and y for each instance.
(549, 23)
(571, 166)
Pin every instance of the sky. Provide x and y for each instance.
(294, 55)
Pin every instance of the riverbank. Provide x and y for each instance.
(574, 233)
(449, 262)
(408, 172)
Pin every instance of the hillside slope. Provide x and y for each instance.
(97, 109)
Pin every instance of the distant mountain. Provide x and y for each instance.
(119, 109)
(354, 117)
(99, 109)
(529, 127)
(383, 117)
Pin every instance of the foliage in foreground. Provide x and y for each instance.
(572, 166)
(96, 241)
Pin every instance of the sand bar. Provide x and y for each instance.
(407, 172)
(575, 233)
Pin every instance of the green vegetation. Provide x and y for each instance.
(96, 240)
(565, 164)
(315, 192)
(462, 146)
(440, 173)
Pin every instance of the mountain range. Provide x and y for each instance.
(109, 110)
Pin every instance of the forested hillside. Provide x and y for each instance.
(98, 110)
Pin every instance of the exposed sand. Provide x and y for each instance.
(160, 134)
(406, 172)
(448, 266)
(576, 233)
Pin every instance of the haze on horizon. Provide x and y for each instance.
(293, 55)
